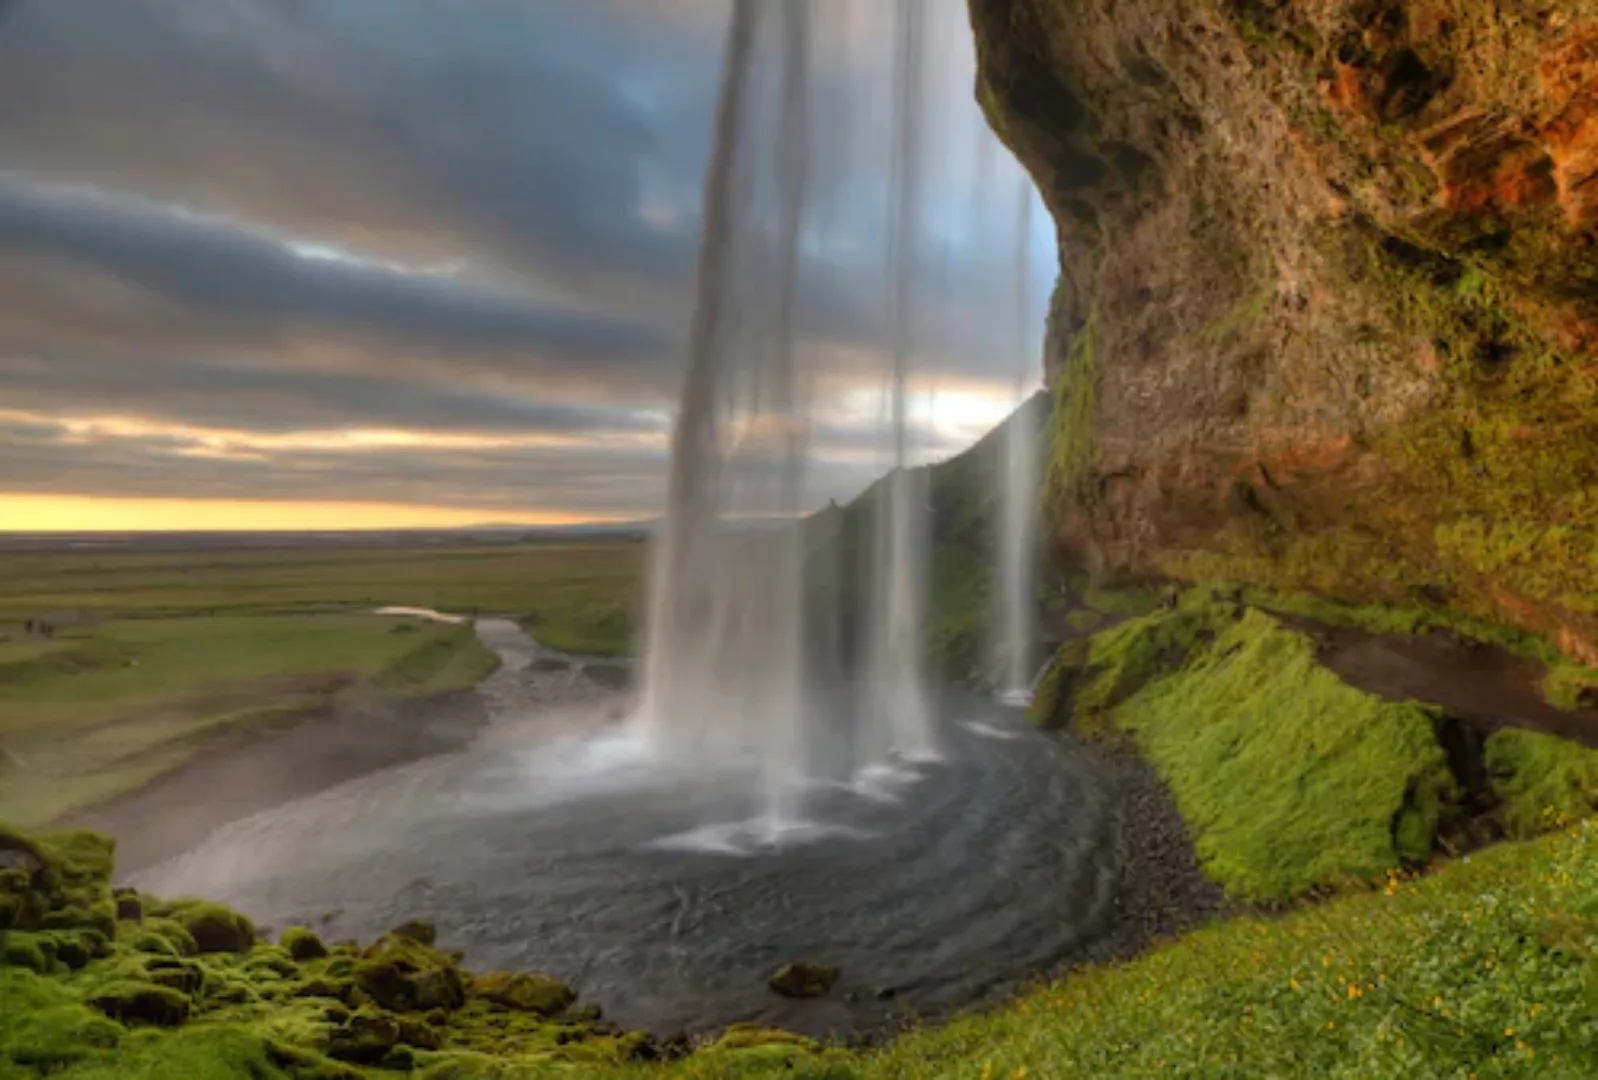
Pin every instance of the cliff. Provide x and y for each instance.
(1327, 317)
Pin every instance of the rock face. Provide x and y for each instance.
(1327, 317)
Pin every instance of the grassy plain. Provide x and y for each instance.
(156, 651)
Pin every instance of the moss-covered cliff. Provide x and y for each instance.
(1327, 318)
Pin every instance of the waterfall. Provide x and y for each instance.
(897, 712)
(1018, 493)
(743, 626)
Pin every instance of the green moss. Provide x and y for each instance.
(271, 959)
(1073, 422)
(1543, 781)
(132, 1002)
(1290, 779)
(536, 994)
(302, 943)
(216, 928)
(165, 936)
(19, 948)
(45, 1028)
(129, 907)
(747, 1036)
(403, 974)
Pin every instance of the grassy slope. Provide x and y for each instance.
(1289, 779)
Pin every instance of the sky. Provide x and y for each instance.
(307, 264)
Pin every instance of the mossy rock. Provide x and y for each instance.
(302, 943)
(177, 974)
(131, 1002)
(272, 959)
(22, 949)
(418, 1033)
(365, 1038)
(404, 975)
(742, 1036)
(321, 986)
(164, 937)
(803, 979)
(216, 928)
(130, 908)
(417, 930)
(537, 994)
(399, 1058)
(303, 1064)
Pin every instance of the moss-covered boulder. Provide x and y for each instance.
(537, 994)
(803, 979)
(132, 1002)
(22, 949)
(166, 937)
(405, 975)
(56, 881)
(216, 928)
(302, 943)
(130, 908)
(364, 1038)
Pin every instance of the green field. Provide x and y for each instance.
(577, 596)
(156, 652)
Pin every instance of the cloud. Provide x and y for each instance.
(282, 216)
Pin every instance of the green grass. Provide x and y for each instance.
(575, 593)
(1540, 779)
(107, 707)
(158, 651)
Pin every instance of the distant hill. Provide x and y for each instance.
(964, 493)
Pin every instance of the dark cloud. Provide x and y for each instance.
(215, 278)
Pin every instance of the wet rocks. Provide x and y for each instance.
(803, 979)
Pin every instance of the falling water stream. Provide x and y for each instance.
(1018, 495)
(729, 662)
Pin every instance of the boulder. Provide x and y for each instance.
(364, 1038)
(803, 979)
(404, 975)
(133, 1002)
(302, 944)
(216, 928)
